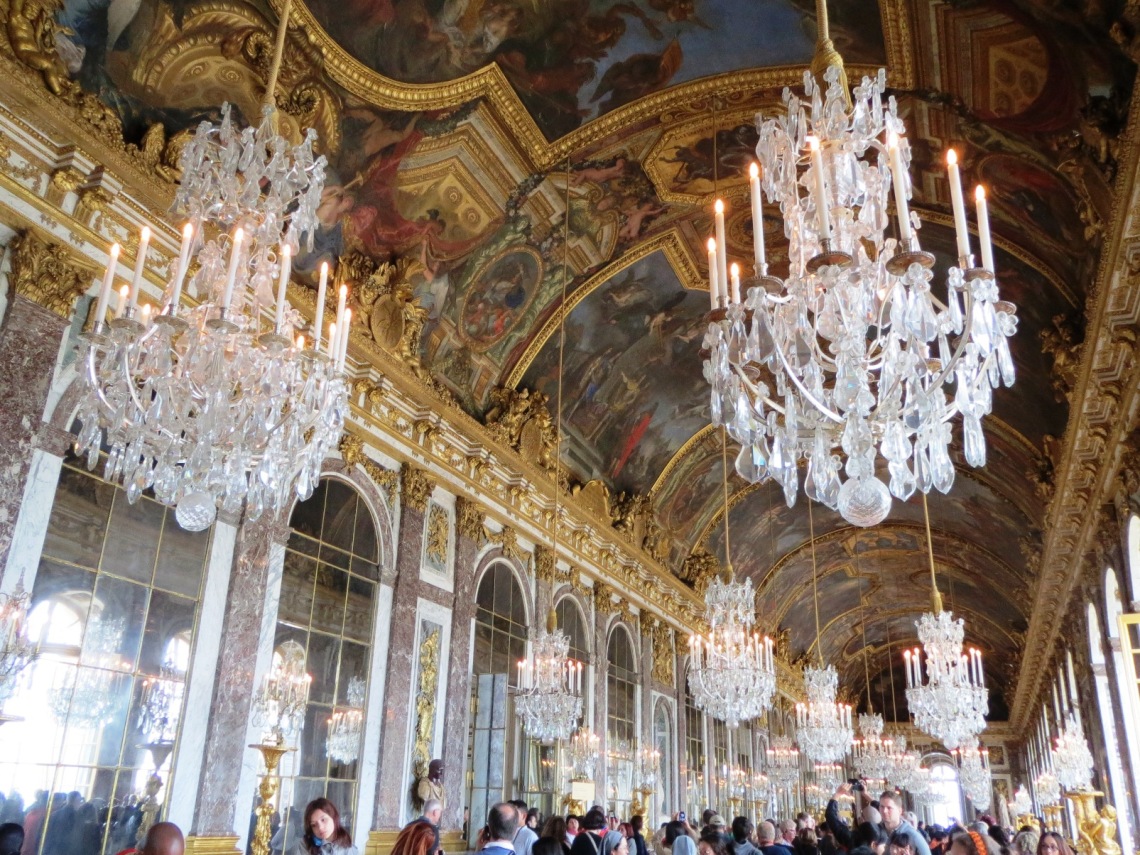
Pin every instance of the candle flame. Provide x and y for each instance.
(145, 233)
(286, 250)
(980, 193)
(712, 244)
(813, 142)
(718, 206)
(892, 139)
(753, 170)
(735, 269)
(239, 235)
(324, 268)
(951, 157)
(115, 250)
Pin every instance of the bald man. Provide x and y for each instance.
(164, 838)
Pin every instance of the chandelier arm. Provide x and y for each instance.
(823, 409)
(93, 382)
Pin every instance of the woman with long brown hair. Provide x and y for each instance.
(324, 834)
(416, 839)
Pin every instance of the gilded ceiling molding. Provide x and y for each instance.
(1102, 411)
(676, 253)
(692, 445)
(47, 273)
(415, 487)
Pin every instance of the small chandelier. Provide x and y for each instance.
(1048, 789)
(549, 696)
(280, 704)
(1072, 760)
(732, 670)
(829, 775)
(904, 764)
(838, 355)
(870, 753)
(221, 405)
(951, 705)
(342, 745)
(823, 725)
(582, 754)
(85, 696)
(783, 762)
(974, 773)
(17, 651)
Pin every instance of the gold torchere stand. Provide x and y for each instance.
(159, 751)
(1096, 830)
(1053, 817)
(270, 782)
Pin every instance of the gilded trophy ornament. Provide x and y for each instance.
(416, 487)
(469, 520)
(520, 419)
(425, 703)
(437, 532)
(664, 656)
(46, 273)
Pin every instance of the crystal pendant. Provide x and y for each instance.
(196, 511)
(864, 501)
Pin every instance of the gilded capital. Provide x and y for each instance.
(544, 563)
(469, 518)
(417, 487)
(44, 272)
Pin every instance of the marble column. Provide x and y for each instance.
(393, 787)
(30, 341)
(468, 538)
(258, 554)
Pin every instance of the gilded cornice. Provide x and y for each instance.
(1102, 416)
(47, 272)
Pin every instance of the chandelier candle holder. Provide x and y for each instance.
(760, 789)
(549, 695)
(974, 773)
(18, 650)
(1048, 791)
(783, 762)
(852, 352)
(223, 404)
(1072, 760)
(823, 725)
(829, 775)
(904, 764)
(647, 762)
(346, 726)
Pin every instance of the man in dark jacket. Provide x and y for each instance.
(742, 837)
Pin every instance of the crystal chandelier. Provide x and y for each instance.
(549, 695)
(161, 705)
(85, 696)
(18, 651)
(829, 775)
(1021, 805)
(823, 726)
(582, 754)
(951, 705)
(221, 405)
(783, 762)
(904, 764)
(280, 704)
(974, 773)
(1072, 760)
(870, 753)
(346, 725)
(1048, 789)
(838, 355)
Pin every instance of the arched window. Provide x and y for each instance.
(571, 622)
(621, 716)
(325, 614)
(663, 742)
(945, 806)
(101, 707)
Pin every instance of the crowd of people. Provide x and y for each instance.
(879, 827)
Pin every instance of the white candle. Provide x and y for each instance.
(183, 265)
(108, 282)
(956, 201)
(735, 280)
(332, 339)
(757, 218)
(124, 296)
(820, 189)
(345, 329)
(898, 178)
(300, 342)
(145, 315)
(721, 251)
(140, 263)
(231, 274)
(322, 284)
(713, 299)
(286, 258)
(987, 247)
(342, 297)
(909, 669)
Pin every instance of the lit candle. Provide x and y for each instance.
(342, 297)
(231, 274)
(332, 339)
(820, 189)
(140, 263)
(713, 295)
(124, 296)
(345, 329)
(987, 247)
(286, 259)
(322, 284)
(757, 218)
(909, 669)
(108, 283)
(957, 203)
(300, 342)
(183, 265)
(146, 315)
(721, 251)
(735, 280)
(898, 178)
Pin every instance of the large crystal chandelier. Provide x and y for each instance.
(17, 651)
(974, 773)
(732, 670)
(1021, 804)
(783, 757)
(823, 725)
(549, 696)
(870, 753)
(950, 700)
(222, 404)
(1072, 760)
(1048, 789)
(346, 726)
(838, 356)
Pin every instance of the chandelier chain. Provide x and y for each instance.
(935, 596)
(814, 583)
(278, 55)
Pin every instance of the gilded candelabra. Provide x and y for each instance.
(150, 805)
(267, 789)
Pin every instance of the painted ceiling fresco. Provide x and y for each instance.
(500, 153)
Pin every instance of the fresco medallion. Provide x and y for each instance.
(498, 296)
